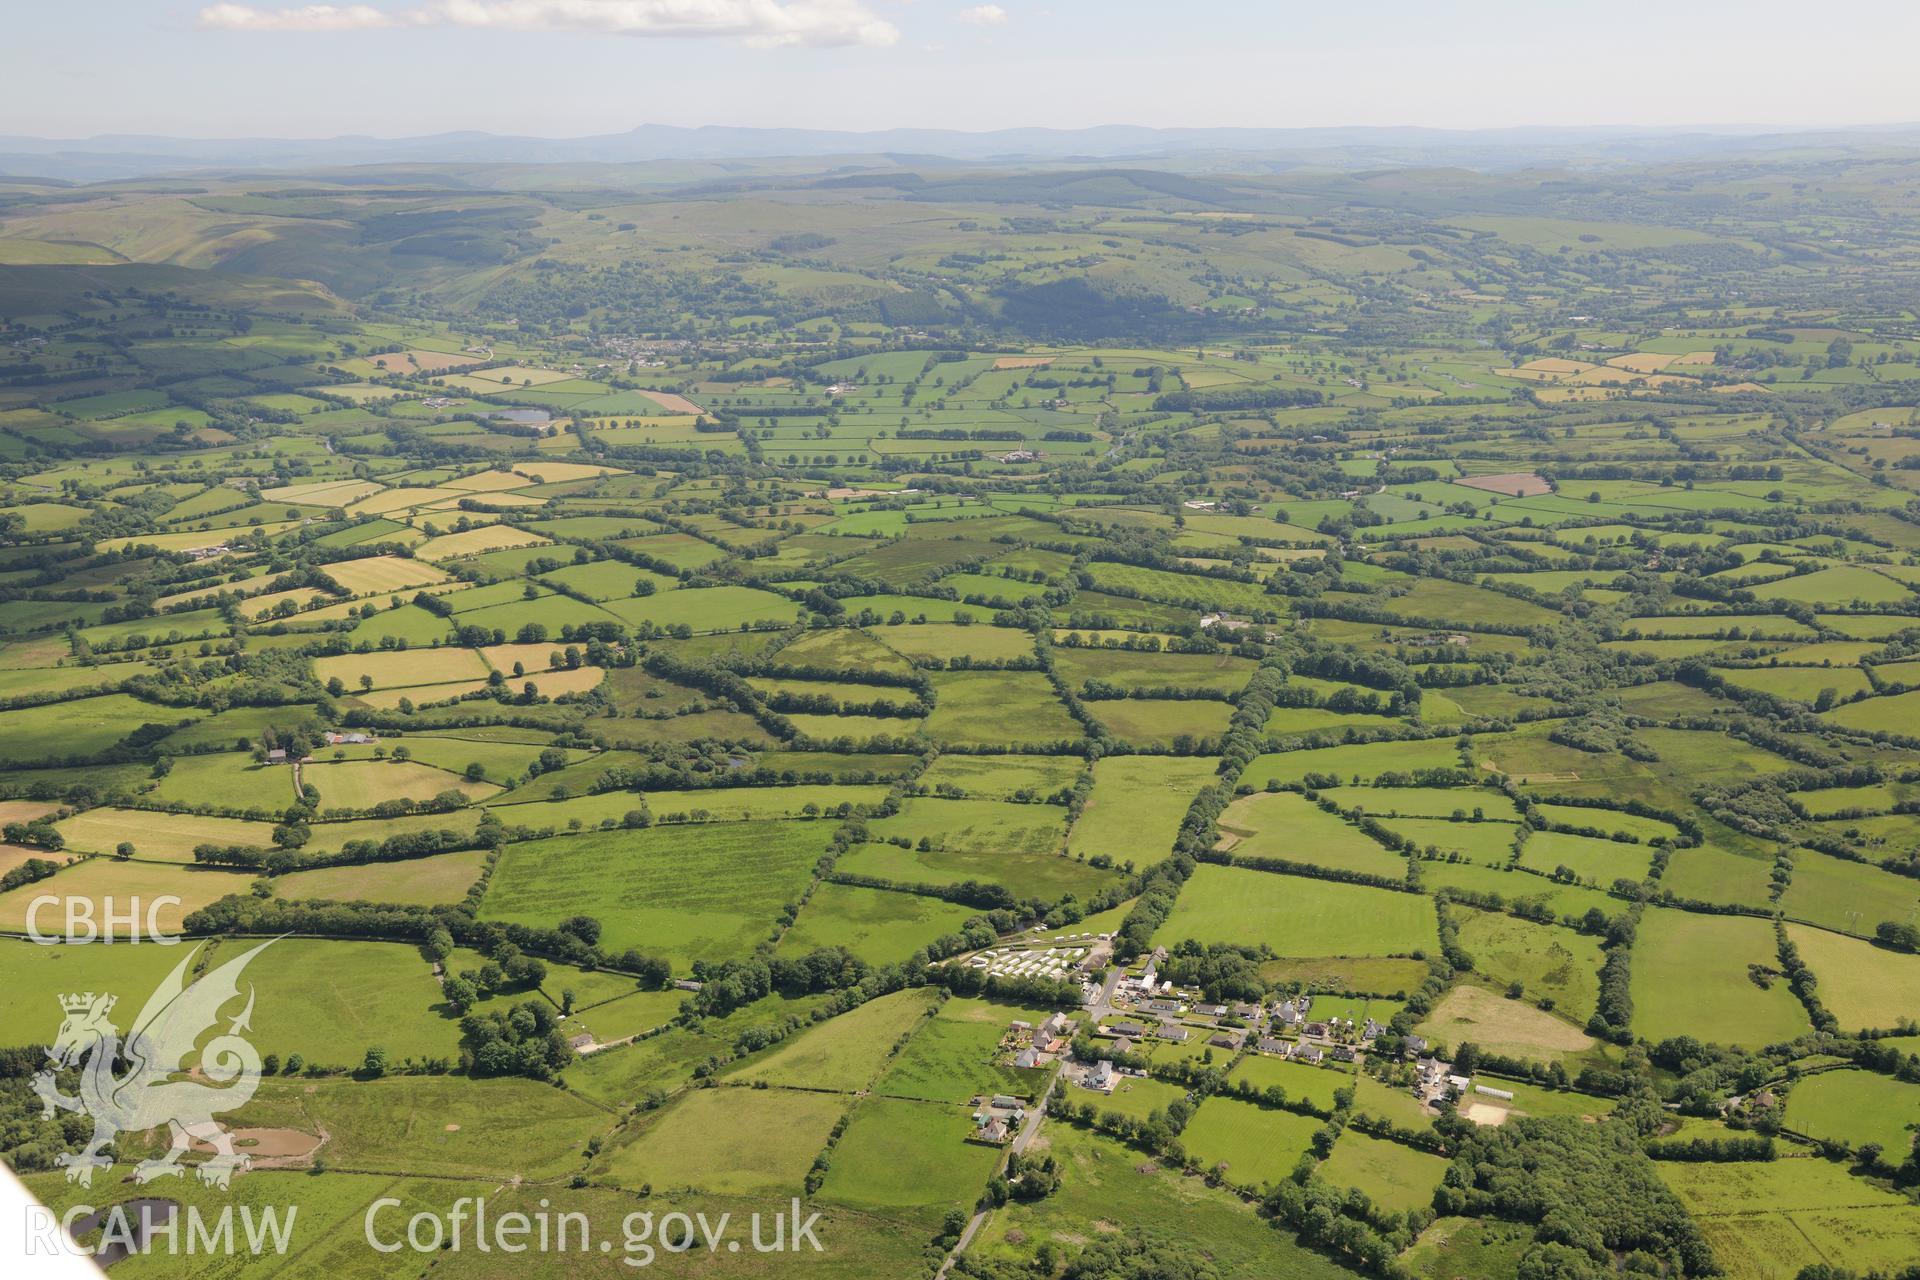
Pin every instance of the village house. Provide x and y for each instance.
(1309, 1053)
(1226, 1040)
(1344, 1053)
(1279, 1048)
(1101, 1076)
(1174, 1035)
(1210, 1010)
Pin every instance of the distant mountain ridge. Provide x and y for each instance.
(136, 155)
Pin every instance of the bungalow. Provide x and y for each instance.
(1177, 1035)
(1026, 1059)
(1226, 1040)
(1002, 1102)
(1164, 1006)
(1250, 1012)
(1309, 1053)
(1318, 1030)
(1123, 1045)
(1343, 1053)
(1130, 1030)
(1210, 1010)
(1279, 1048)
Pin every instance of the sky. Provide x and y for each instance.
(562, 68)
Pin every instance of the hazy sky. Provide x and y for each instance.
(570, 67)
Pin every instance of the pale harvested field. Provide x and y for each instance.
(672, 403)
(1519, 484)
(473, 542)
(401, 668)
(1023, 362)
(377, 575)
(322, 493)
(560, 472)
(1642, 361)
(1696, 357)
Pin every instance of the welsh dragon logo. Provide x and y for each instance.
(157, 1047)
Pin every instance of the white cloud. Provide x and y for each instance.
(765, 23)
(313, 17)
(986, 15)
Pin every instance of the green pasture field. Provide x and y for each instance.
(727, 1142)
(1770, 1218)
(1861, 984)
(948, 640)
(1286, 825)
(441, 879)
(1707, 873)
(1892, 713)
(361, 784)
(1487, 843)
(1137, 805)
(330, 1001)
(80, 727)
(1132, 669)
(878, 925)
(1371, 1097)
(1608, 820)
(1297, 916)
(1001, 777)
(1105, 1181)
(840, 691)
(1355, 763)
(1427, 802)
(722, 608)
(1480, 1247)
(1719, 1003)
(953, 1057)
(1041, 875)
(1256, 1146)
(1393, 1177)
(998, 708)
(1131, 1096)
(908, 1160)
(615, 1076)
(229, 781)
(446, 1126)
(1303, 1083)
(706, 892)
(1857, 1107)
(845, 1053)
(1149, 722)
(1850, 897)
(1598, 862)
(1515, 888)
(977, 826)
(1547, 960)
(842, 648)
(34, 976)
(1803, 684)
